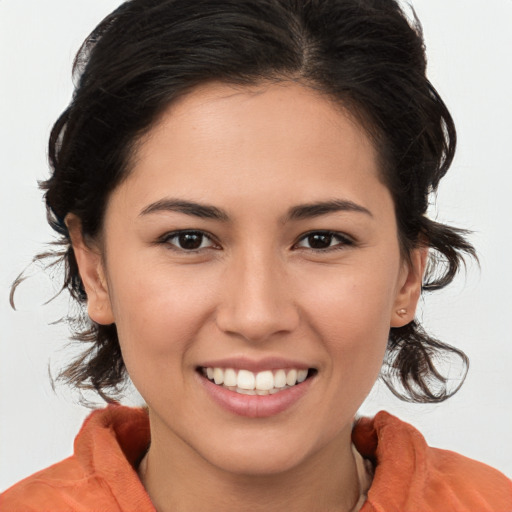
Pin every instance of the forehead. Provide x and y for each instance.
(229, 141)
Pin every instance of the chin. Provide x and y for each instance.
(258, 462)
(268, 450)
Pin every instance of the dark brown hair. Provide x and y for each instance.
(364, 54)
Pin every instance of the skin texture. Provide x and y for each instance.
(254, 289)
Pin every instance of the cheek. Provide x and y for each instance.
(158, 312)
(348, 301)
(350, 312)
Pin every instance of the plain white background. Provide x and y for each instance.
(469, 44)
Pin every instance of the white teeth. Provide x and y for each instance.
(230, 377)
(245, 391)
(291, 377)
(245, 379)
(264, 381)
(261, 383)
(280, 379)
(301, 375)
(218, 375)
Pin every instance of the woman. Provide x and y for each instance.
(241, 191)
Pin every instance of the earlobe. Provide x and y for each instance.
(90, 266)
(410, 288)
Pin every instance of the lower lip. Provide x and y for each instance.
(255, 406)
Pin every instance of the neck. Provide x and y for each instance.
(178, 479)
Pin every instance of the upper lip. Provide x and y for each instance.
(256, 365)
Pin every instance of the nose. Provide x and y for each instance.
(257, 299)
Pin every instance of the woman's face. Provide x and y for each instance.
(253, 242)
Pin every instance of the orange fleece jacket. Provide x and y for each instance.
(409, 475)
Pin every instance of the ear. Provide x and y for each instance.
(409, 288)
(90, 266)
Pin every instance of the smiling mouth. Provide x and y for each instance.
(245, 382)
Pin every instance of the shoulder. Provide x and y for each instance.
(410, 475)
(100, 475)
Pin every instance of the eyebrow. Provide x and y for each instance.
(203, 211)
(312, 210)
(299, 212)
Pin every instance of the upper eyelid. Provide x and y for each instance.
(338, 234)
(177, 232)
(172, 234)
(345, 241)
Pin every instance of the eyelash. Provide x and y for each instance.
(166, 239)
(343, 241)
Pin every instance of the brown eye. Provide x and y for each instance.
(320, 240)
(324, 240)
(188, 240)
